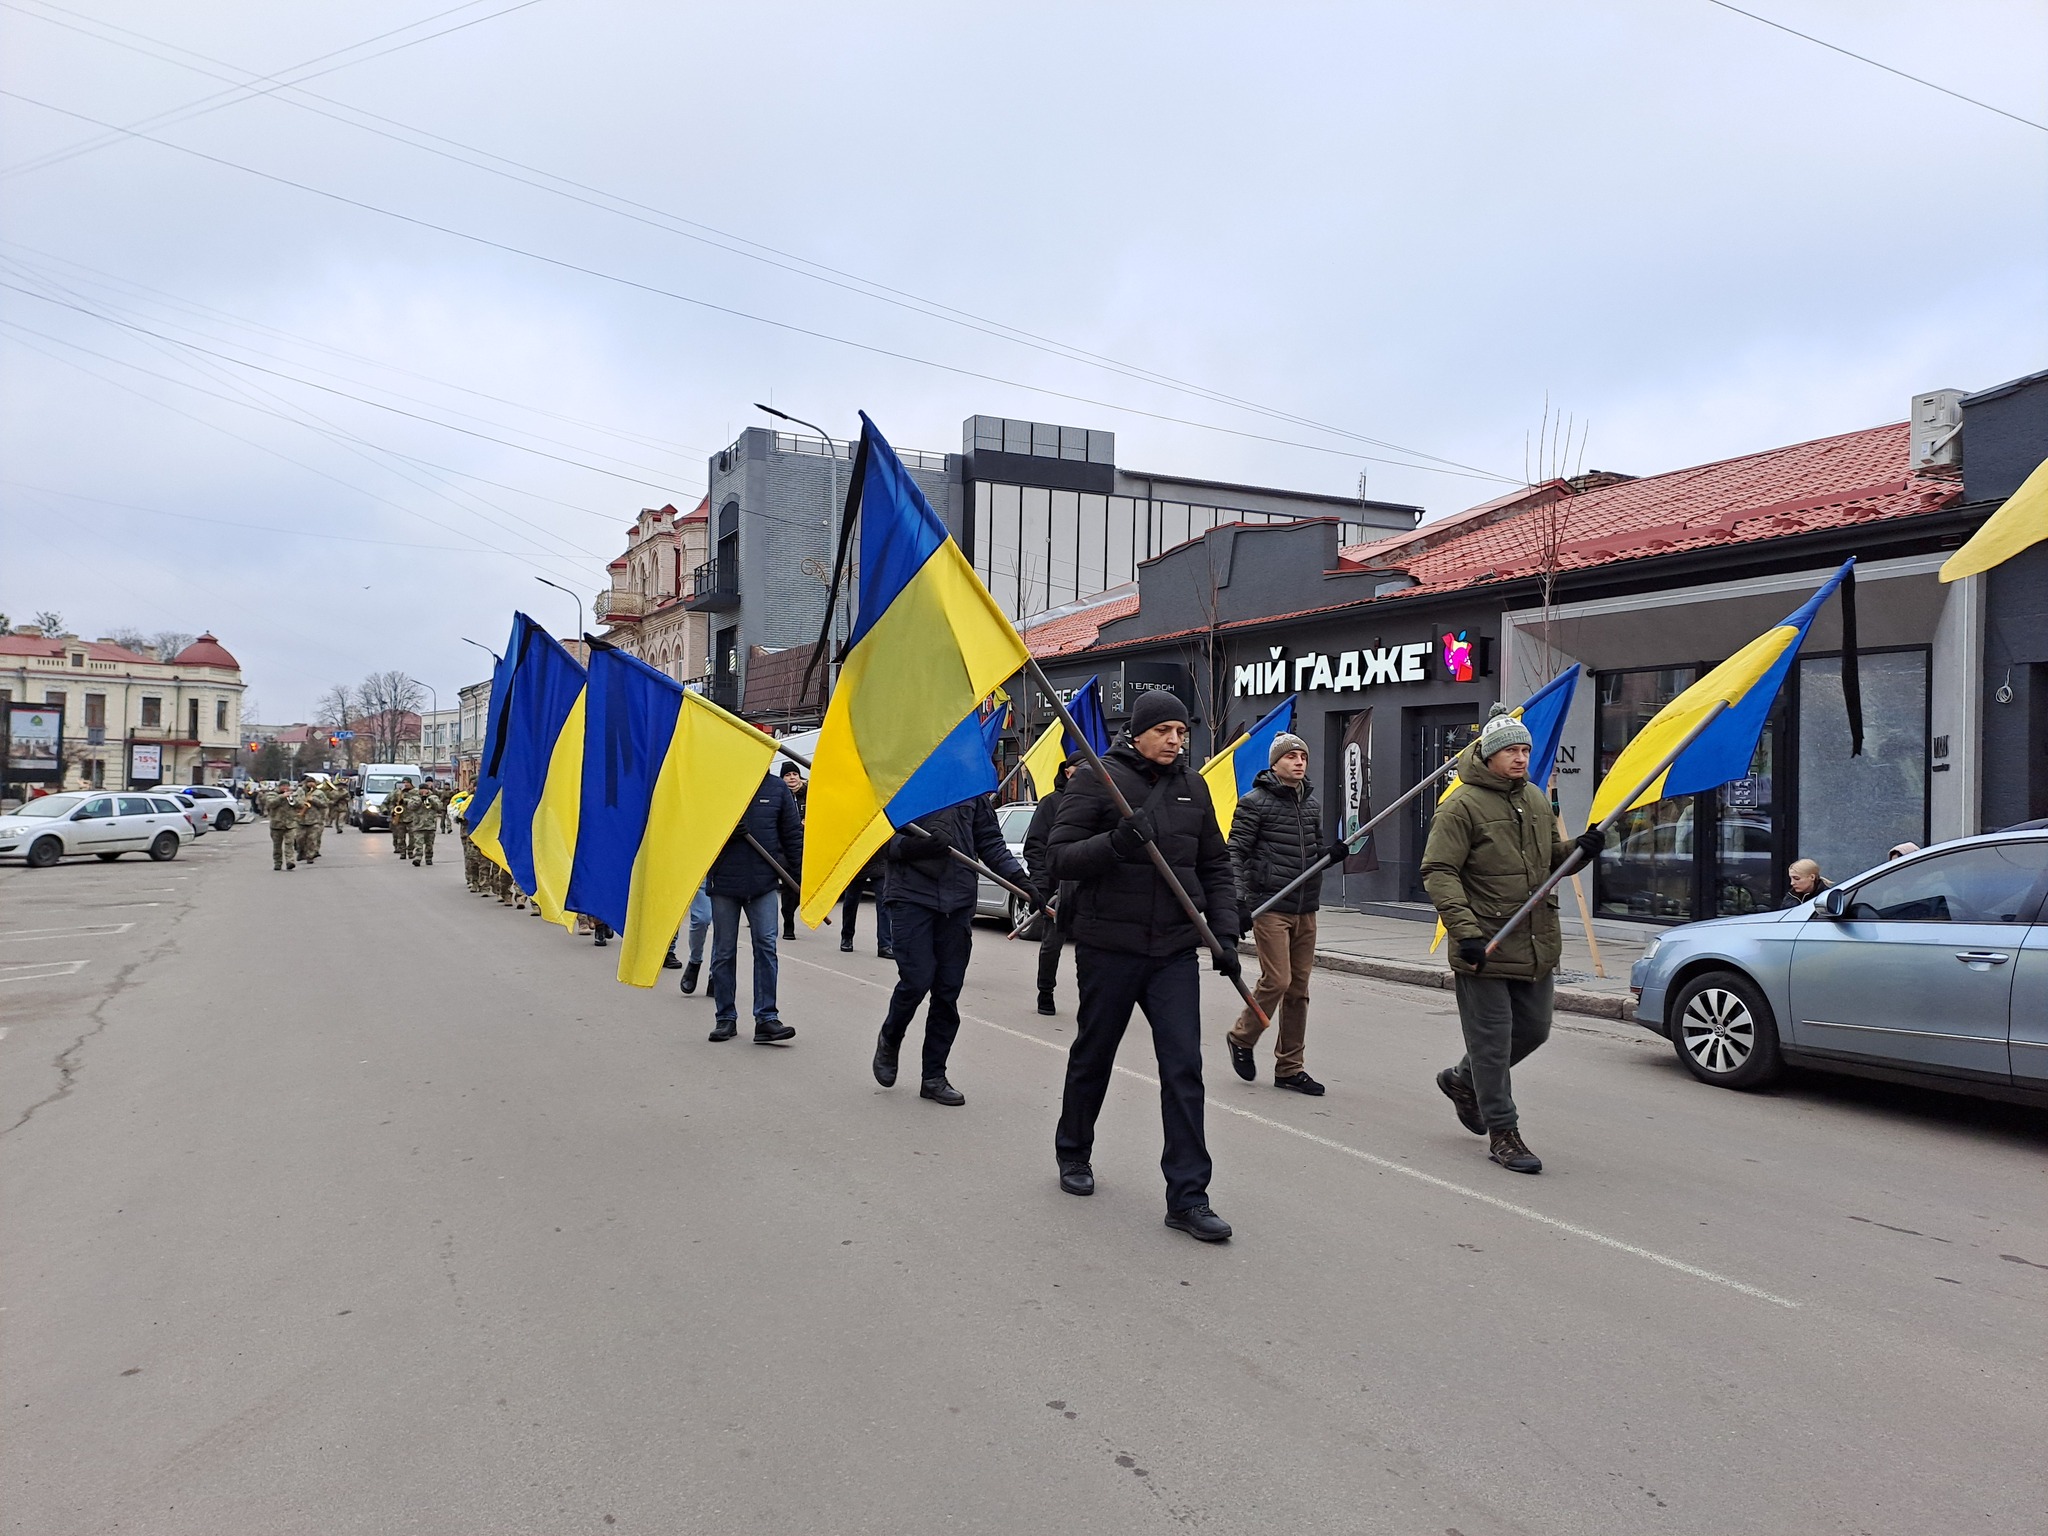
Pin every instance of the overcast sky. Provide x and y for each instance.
(1409, 224)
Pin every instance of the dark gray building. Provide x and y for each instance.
(2003, 437)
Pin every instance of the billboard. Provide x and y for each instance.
(35, 738)
(145, 764)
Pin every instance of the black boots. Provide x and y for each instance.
(1509, 1150)
(669, 962)
(1200, 1223)
(690, 978)
(1045, 1002)
(772, 1032)
(1077, 1178)
(939, 1091)
(1463, 1100)
(885, 1060)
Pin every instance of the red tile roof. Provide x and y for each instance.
(1076, 631)
(1831, 482)
(206, 651)
(39, 645)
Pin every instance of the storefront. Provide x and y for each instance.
(1805, 795)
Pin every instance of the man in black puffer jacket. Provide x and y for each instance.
(1135, 947)
(1276, 833)
(931, 897)
(1037, 857)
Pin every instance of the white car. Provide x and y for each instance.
(215, 804)
(990, 899)
(55, 827)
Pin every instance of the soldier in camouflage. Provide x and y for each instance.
(312, 819)
(284, 828)
(423, 811)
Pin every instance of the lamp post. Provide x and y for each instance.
(435, 694)
(831, 592)
(579, 602)
(495, 657)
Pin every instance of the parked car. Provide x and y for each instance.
(990, 899)
(216, 805)
(200, 825)
(1930, 969)
(106, 825)
(374, 784)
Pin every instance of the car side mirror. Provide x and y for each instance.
(1834, 901)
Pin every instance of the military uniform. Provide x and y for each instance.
(312, 815)
(394, 816)
(284, 829)
(423, 812)
(337, 805)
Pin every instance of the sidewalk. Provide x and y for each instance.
(1397, 949)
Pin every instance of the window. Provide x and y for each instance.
(192, 719)
(99, 774)
(55, 696)
(220, 714)
(152, 711)
(164, 807)
(1990, 883)
(1852, 809)
(78, 658)
(96, 808)
(137, 805)
(96, 711)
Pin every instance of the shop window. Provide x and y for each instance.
(152, 711)
(1853, 810)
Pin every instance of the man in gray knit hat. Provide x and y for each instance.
(1492, 843)
(1275, 834)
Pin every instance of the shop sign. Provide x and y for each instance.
(1334, 672)
(35, 733)
(145, 764)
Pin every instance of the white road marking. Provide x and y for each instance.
(88, 931)
(44, 970)
(1389, 1165)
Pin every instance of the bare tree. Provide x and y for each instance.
(50, 622)
(169, 642)
(338, 711)
(129, 638)
(388, 705)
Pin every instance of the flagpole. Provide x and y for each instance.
(1576, 859)
(1123, 807)
(1326, 861)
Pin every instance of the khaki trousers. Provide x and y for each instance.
(1286, 942)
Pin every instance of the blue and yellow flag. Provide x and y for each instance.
(1746, 684)
(543, 684)
(1229, 774)
(1057, 743)
(483, 794)
(555, 818)
(666, 776)
(928, 646)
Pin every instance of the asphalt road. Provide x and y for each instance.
(344, 1201)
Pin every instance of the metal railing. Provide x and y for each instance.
(716, 578)
(616, 604)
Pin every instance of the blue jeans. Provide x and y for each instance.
(763, 912)
(700, 923)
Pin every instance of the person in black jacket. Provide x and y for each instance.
(1134, 946)
(744, 882)
(872, 881)
(1275, 834)
(792, 776)
(1038, 860)
(931, 897)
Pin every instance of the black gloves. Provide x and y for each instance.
(925, 850)
(1129, 837)
(1472, 952)
(1338, 851)
(1227, 960)
(1590, 842)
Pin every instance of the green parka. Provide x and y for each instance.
(1491, 844)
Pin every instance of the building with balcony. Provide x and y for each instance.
(129, 717)
(649, 610)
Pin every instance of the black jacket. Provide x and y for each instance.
(772, 818)
(1276, 834)
(1123, 904)
(947, 885)
(1038, 859)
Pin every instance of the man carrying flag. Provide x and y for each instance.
(931, 897)
(1134, 945)
(1491, 846)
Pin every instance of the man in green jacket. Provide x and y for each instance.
(1493, 842)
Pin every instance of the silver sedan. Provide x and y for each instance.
(1932, 969)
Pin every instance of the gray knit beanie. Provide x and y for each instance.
(1283, 744)
(1502, 729)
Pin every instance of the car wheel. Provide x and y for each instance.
(107, 858)
(44, 852)
(165, 847)
(223, 821)
(1723, 1031)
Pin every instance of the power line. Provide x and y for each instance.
(724, 309)
(1864, 58)
(244, 91)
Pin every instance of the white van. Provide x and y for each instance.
(375, 782)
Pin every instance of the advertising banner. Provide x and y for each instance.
(35, 737)
(145, 764)
(1355, 756)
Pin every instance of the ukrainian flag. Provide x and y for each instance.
(543, 686)
(666, 776)
(1229, 773)
(483, 795)
(1055, 746)
(1734, 700)
(929, 644)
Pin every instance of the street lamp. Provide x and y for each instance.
(577, 595)
(436, 695)
(834, 581)
(495, 657)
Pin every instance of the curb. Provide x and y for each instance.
(1597, 1005)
